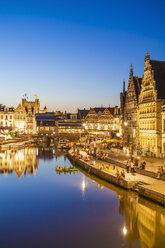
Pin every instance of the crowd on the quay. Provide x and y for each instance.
(133, 164)
(91, 153)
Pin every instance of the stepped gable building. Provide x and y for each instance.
(151, 110)
(102, 120)
(129, 109)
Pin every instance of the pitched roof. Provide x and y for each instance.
(82, 113)
(101, 109)
(137, 83)
(159, 75)
(92, 115)
(106, 115)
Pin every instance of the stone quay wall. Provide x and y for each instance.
(103, 174)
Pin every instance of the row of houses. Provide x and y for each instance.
(143, 109)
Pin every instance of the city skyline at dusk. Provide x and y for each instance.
(75, 55)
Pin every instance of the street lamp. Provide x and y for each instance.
(126, 124)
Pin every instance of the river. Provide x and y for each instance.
(40, 208)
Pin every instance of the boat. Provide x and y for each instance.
(67, 170)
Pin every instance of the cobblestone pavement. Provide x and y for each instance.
(151, 183)
(152, 164)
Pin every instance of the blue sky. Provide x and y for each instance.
(75, 53)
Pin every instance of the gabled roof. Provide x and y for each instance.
(137, 84)
(20, 108)
(92, 115)
(106, 115)
(159, 76)
(101, 109)
(82, 113)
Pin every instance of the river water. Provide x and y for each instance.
(40, 208)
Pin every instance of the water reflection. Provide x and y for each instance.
(26, 161)
(20, 162)
(84, 186)
(144, 221)
(48, 153)
(136, 221)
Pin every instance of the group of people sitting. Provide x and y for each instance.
(160, 172)
(132, 165)
(101, 155)
(121, 174)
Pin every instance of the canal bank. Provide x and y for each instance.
(145, 186)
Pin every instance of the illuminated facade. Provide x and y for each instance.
(143, 110)
(70, 127)
(102, 121)
(24, 116)
(6, 118)
(151, 100)
(130, 110)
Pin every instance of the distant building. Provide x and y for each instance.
(6, 118)
(70, 127)
(103, 121)
(47, 123)
(24, 116)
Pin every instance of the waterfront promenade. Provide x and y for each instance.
(146, 186)
(152, 164)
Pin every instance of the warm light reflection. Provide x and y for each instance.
(20, 162)
(124, 231)
(83, 185)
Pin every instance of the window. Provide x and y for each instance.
(1, 116)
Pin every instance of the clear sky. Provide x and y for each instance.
(76, 53)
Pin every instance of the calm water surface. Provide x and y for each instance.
(39, 208)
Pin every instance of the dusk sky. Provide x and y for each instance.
(76, 53)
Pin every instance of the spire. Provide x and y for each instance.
(147, 57)
(123, 86)
(131, 71)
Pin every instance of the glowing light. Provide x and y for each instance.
(124, 230)
(125, 123)
(83, 185)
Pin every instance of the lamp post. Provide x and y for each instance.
(126, 124)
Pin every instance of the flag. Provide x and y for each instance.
(35, 96)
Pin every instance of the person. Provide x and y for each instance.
(143, 164)
(122, 174)
(132, 166)
(136, 163)
(162, 170)
(158, 173)
(127, 166)
(117, 173)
